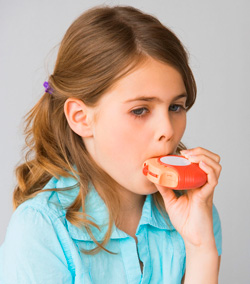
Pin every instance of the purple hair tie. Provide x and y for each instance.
(47, 87)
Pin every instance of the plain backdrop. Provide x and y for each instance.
(217, 35)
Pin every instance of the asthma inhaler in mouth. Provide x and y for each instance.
(175, 172)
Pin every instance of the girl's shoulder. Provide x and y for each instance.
(62, 192)
(38, 230)
(46, 212)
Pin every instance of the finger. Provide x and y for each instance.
(201, 151)
(208, 161)
(211, 173)
(208, 189)
(168, 196)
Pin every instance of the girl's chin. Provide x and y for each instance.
(149, 188)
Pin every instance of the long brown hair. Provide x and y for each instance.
(99, 48)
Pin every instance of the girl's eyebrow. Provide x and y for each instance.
(154, 99)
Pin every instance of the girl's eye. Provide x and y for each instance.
(140, 111)
(176, 108)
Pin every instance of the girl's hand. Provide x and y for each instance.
(191, 213)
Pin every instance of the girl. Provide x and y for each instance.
(85, 213)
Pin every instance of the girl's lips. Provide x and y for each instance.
(161, 155)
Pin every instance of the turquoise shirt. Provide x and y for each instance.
(42, 246)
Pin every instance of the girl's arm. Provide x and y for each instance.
(217, 234)
(192, 216)
(202, 267)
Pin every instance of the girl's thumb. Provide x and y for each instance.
(168, 195)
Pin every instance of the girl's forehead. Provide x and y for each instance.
(150, 79)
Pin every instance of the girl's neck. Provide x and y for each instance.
(130, 211)
(130, 201)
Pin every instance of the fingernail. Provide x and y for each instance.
(184, 152)
(203, 164)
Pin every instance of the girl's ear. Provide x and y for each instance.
(79, 117)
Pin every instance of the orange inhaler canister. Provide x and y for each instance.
(175, 172)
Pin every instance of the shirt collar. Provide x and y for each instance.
(152, 216)
(98, 212)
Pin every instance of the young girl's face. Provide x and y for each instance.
(141, 117)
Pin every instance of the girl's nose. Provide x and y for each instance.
(165, 130)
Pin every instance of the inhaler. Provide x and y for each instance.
(175, 172)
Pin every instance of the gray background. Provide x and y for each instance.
(217, 35)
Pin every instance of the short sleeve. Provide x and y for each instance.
(217, 230)
(31, 252)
